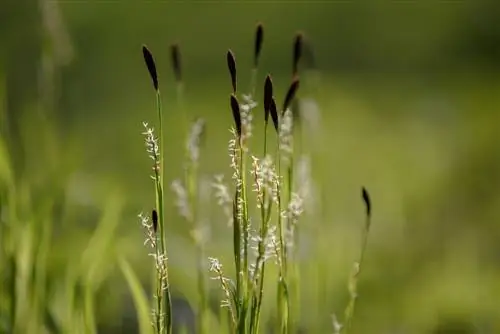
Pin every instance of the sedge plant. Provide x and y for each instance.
(266, 233)
(278, 207)
(155, 225)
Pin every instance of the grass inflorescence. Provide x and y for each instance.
(262, 236)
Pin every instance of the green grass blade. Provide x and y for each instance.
(140, 300)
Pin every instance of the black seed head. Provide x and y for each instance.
(231, 64)
(235, 107)
(268, 96)
(150, 63)
(274, 114)
(291, 94)
(366, 200)
(259, 38)
(154, 218)
(297, 52)
(175, 55)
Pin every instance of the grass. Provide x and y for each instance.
(277, 195)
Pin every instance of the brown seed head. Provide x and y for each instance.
(235, 107)
(297, 52)
(175, 55)
(291, 93)
(231, 64)
(259, 38)
(274, 114)
(150, 63)
(268, 96)
(154, 218)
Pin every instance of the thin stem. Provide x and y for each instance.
(282, 285)
(353, 284)
(161, 217)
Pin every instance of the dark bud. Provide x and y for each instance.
(235, 107)
(231, 64)
(366, 199)
(274, 114)
(150, 63)
(297, 52)
(290, 95)
(268, 96)
(259, 37)
(154, 217)
(175, 55)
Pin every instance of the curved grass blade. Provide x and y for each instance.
(140, 300)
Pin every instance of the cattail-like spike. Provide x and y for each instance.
(235, 107)
(268, 96)
(273, 110)
(290, 94)
(231, 64)
(259, 38)
(150, 63)
(297, 52)
(367, 201)
(175, 55)
(154, 218)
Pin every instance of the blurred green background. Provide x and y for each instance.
(408, 96)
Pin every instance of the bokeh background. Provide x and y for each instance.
(407, 96)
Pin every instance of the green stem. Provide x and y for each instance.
(161, 216)
(353, 284)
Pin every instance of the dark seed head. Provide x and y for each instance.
(231, 64)
(274, 114)
(154, 217)
(150, 63)
(175, 55)
(235, 107)
(366, 199)
(297, 52)
(291, 94)
(259, 38)
(268, 96)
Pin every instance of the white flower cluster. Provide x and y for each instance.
(223, 198)
(149, 230)
(266, 180)
(270, 250)
(227, 284)
(286, 134)
(194, 139)
(246, 117)
(152, 147)
(181, 202)
(292, 214)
